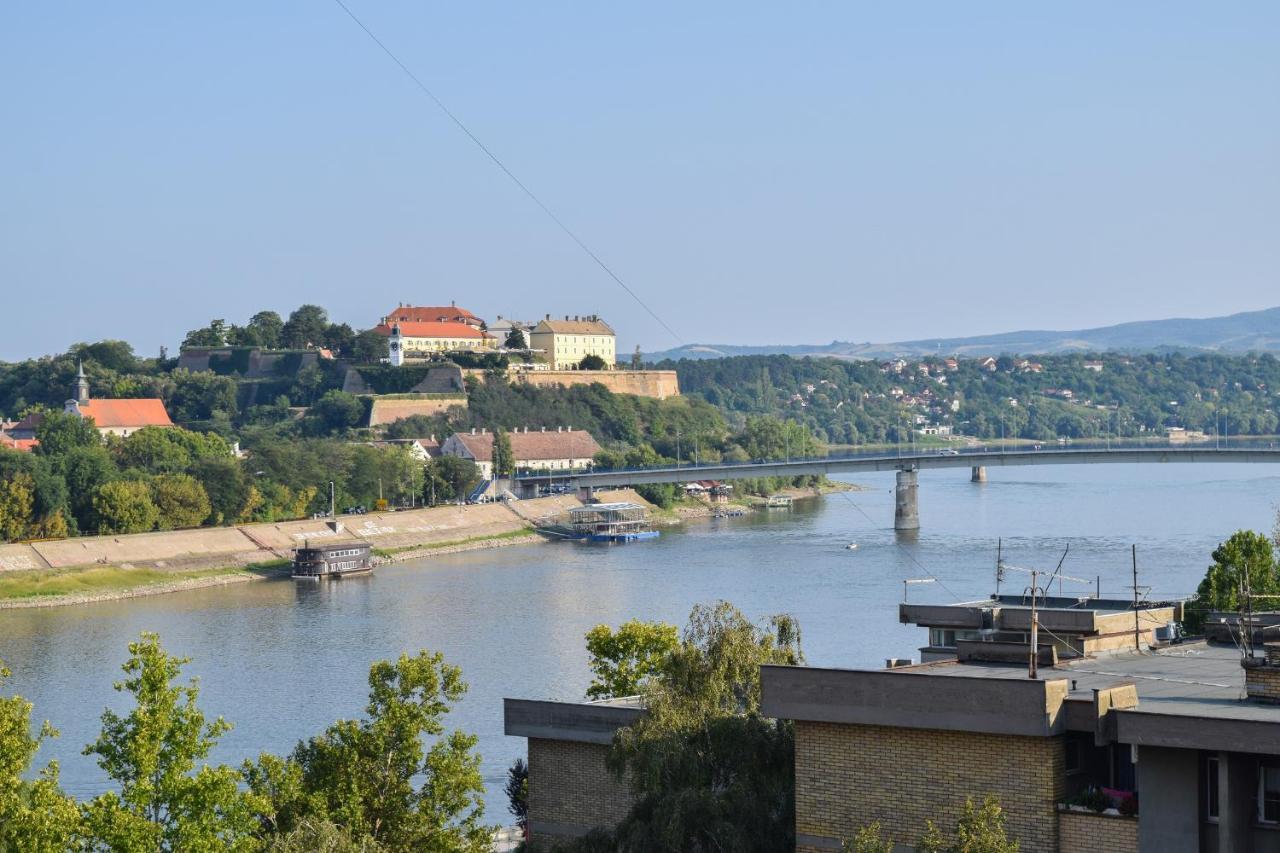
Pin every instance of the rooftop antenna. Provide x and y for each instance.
(1057, 573)
(999, 565)
(1137, 591)
(909, 581)
(1034, 651)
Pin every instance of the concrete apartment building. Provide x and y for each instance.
(566, 342)
(1182, 739)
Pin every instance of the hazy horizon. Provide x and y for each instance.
(760, 176)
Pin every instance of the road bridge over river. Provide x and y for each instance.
(909, 464)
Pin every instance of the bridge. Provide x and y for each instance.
(908, 465)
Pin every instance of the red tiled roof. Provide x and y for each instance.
(534, 446)
(430, 314)
(132, 413)
(432, 330)
(25, 445)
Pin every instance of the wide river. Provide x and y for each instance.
(281, 661)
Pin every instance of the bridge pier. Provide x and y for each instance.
(979, 474)
(906, 505)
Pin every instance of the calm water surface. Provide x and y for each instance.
(281, 660)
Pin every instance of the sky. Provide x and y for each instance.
(757, 173)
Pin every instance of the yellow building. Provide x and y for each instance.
(566, 342)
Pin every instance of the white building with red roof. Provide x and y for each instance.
(543, 450)
(432, 314)
(421, 338)
(120, 417)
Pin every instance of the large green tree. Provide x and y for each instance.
(623, 661)
(35, 815)
(709, 772)
(305, 327)
(164, 802)
(123, 506)
(1245, 554)
(59, 432)
(180, 501)
(376, 778)
(504, 458)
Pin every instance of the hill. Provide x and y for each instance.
(1250, 331)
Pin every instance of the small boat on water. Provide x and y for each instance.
(778, 502)
(852, 546)
(332, 560)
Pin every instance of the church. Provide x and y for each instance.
(120, 417)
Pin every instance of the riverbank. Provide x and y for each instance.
(92, 569)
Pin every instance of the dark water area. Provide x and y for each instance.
(281, 661)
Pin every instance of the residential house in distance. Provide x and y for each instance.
(421, 449)
(560, 450)
(120, 417)
(566, 342)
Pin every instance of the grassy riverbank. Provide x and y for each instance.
(52, 586)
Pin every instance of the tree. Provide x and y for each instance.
(336, 412)
(164, 803)
(869, 840)
(305, 328)
(370, 347)
(34, 813)
(161, 450)
(112, 355)
(266, 327)
(123, 506)
(981, 829)
(180, 501)
(517, 791)
(84, 469)
(453, 476)
(17, 504)
(373, 776)
(623, 661)
(59, 432)
(504, 460)
(515, 339)
(1245, 553)
(198, 396)
(213, 335)
(708, 771)
(592, 362)
(226, 486)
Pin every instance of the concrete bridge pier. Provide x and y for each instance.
(979, 474)
(906, 505)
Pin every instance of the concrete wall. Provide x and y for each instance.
(848, 776)
(224, 546)
(387, 410)
(571, 791)
(1169, 800)
(660, 384)
(395, 529)
(19, 558)
(1081, 832)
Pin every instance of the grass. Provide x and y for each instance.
(450, 543)
(96, 580)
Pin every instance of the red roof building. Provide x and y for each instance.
(116, 417)
(431, 314)
(545, 450)
(433, 329)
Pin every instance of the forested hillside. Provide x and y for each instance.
(1076, 396)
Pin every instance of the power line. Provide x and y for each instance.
(497, 162)
(903, 549)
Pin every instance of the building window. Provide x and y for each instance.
(1269, 793)
(1211, 789)
(1072, 761)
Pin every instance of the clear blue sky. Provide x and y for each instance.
(761, 173)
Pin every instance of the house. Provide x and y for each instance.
(420, 339)
(1095, 366)
(502, 328)
(120, 417)
(432, 314)
(566, 342)
(1175, 745)
(988, 364)
(22, 445)
(952, 364)
(564, 449)
(421, 449)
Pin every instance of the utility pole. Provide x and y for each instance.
(1034, 654)
(677, 448)
(1137, 631)
(999, 564)
(332, 507)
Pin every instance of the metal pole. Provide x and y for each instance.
(1035, 629)
(1137, 635)
(332, 507)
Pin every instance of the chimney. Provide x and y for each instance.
(473, 430)
(559, 429)
(566, 316)
(1262, 676)
(548, 316)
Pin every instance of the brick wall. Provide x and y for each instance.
(1081, 832)
(1262, 680)
(848, 776)
(660, 384)
(571, 790)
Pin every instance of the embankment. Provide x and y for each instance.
(99, 568)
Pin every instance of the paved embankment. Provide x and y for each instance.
(205, 552)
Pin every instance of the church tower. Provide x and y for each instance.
(82, 386)
(396, 346)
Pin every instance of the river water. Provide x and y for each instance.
(281, 661)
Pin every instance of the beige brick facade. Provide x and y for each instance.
(848, 776)
(1081, 832)
(571, 790)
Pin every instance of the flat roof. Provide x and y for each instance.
(1062, 602)
(1189, 679)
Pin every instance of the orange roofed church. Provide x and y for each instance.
(116, 417)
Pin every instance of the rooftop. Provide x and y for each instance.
(431, 329)
(533, 446)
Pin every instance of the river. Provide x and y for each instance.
(281, 661)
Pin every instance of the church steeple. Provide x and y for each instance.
(82, 385)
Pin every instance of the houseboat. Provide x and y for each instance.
(612, 522)
(778, 502)
(332, 560)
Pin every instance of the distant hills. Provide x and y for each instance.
(1250, 331)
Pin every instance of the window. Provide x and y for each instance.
(1072, 761)
(1211, 788)
(1269, 793)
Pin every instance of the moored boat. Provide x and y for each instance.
(332, 560)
